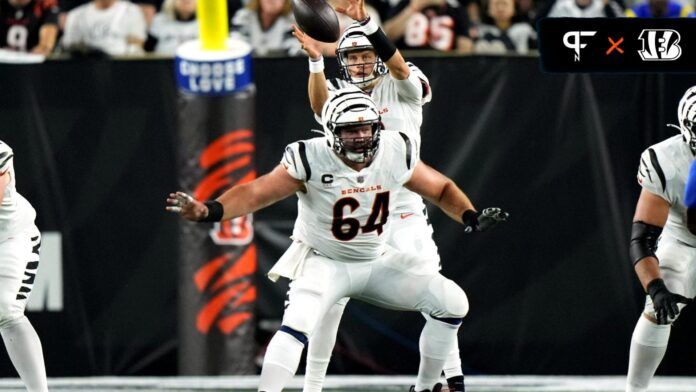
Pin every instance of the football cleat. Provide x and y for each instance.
(436, 388)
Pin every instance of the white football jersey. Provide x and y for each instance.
(106, 29)
(663, 171)
(401, 109)
(344, 213)
(16, 214)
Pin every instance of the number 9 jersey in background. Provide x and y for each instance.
(19, 27)
(343, 213)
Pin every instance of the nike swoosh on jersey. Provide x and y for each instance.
(406, 215)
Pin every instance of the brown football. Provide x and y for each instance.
(316, 18)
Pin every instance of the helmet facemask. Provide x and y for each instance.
(354, 40)
(352, 110)
(357, 149)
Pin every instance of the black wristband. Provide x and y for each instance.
(470, 219)
(655, 286)
(215, 211)
(384, 48)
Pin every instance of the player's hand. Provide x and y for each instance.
(355, 10)
(186, 206)
(483, 220)
(664, 301)
(309, 44)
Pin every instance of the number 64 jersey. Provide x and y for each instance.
(344, 213)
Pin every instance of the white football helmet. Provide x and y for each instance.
(686, 114)
(349, 107)
(353, 39)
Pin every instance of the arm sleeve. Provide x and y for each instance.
(652, 175)
(6, 155)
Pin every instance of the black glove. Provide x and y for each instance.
(483, 220)
(664, 301)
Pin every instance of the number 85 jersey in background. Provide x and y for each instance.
(344, 213)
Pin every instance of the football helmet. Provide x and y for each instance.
(354, 39)
(350, 107)
(686, 114)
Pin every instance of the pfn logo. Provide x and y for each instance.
(572, 40)
(660, 45)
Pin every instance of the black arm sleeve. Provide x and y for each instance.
(643, 241)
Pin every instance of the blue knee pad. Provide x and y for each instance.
(302, 338)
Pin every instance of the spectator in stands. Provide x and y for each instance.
(501, 32)
(267, 26)
(173, 25)
(659, 9)
(115, 27)
(29, 25)
(430, 24)
(148, 7)
(527, 11)
(585, 9)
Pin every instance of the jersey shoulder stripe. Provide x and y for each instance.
(658, 169)
(305, 162)
(409, 150)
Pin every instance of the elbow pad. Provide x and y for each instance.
(643, 241)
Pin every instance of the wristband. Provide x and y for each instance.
(316, 66)
(215, 211)
(470, 219)
(369, 26)
(384, 48)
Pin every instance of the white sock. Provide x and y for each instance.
(435, 345)
(453, 363)
(280, 362)
(320, 347)
(24, 348)
(648, 346)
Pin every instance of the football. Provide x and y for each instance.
(317, 19)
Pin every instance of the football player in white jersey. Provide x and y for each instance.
(367, 59)
(19, 260)
(345, 183)
(666, 268)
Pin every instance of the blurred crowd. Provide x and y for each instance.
(137, 27)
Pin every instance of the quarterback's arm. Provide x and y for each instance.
(383, 46)
(4, 180)
(439, 190)
(318, 91)
(652, 211)
(317, 88)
